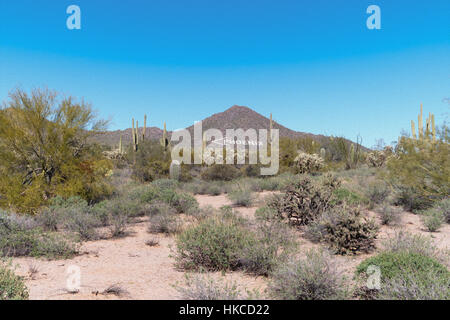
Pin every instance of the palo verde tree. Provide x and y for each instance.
(44, 150)
(420, 166)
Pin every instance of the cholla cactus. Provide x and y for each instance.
(307, 163)
(378, 158)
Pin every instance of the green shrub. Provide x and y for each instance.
(241, 195)
(214, 244)
(165, 184)
(184, 203)
(444, 206)
(407, 275)
(165, 221)
(433, 219)
(150, 162)
(20, 237)
(344, 230)
(272, 244)
(343, 195)
(414, 243)
(213, 188)
(12, 287)
(314, 277)
(225, 172)
(412, 200)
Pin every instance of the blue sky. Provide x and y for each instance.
(313, 64)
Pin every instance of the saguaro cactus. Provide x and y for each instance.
(429, 130)
(120, 145)
(145, 127)
(134, 136)
(175, 170)
(323, 153)
(164, 140)
(420, 120)
(413, 130)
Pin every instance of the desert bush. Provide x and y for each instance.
(159, 207)
(184, 203)
(430, 285)
(81, 222)
(407, 275)
(19, 237)
(71, 214)
(213, 188)
(224, 172)
(165, 183)
(433, 219)
(49, 155)
(411, 199)
(314, 277)
(204, 212)
(241, 195)
(273, 242)
(199, 287)
(181, 202)
(214, 244)
(444, 206)
(268, 214)
(251, 170)
(413, 243)
(306, 199)
(389, 215)
(118, 217)
(165, 221)
(345, 230)
(308, 163)
(12, 287)
(377, 193)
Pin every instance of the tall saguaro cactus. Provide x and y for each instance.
(135, 133)
(120, 145)
(429, 130)
(134, 136)
(145, 127)
(164, 140)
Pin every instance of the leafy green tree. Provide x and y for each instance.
(422, 167)
(44, 150)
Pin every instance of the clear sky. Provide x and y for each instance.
(313, 64)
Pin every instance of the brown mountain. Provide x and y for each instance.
(239, 117)
(236, 117)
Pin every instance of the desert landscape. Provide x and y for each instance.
(230, 157)
(153, 228)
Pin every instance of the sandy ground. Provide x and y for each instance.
(149, 272)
